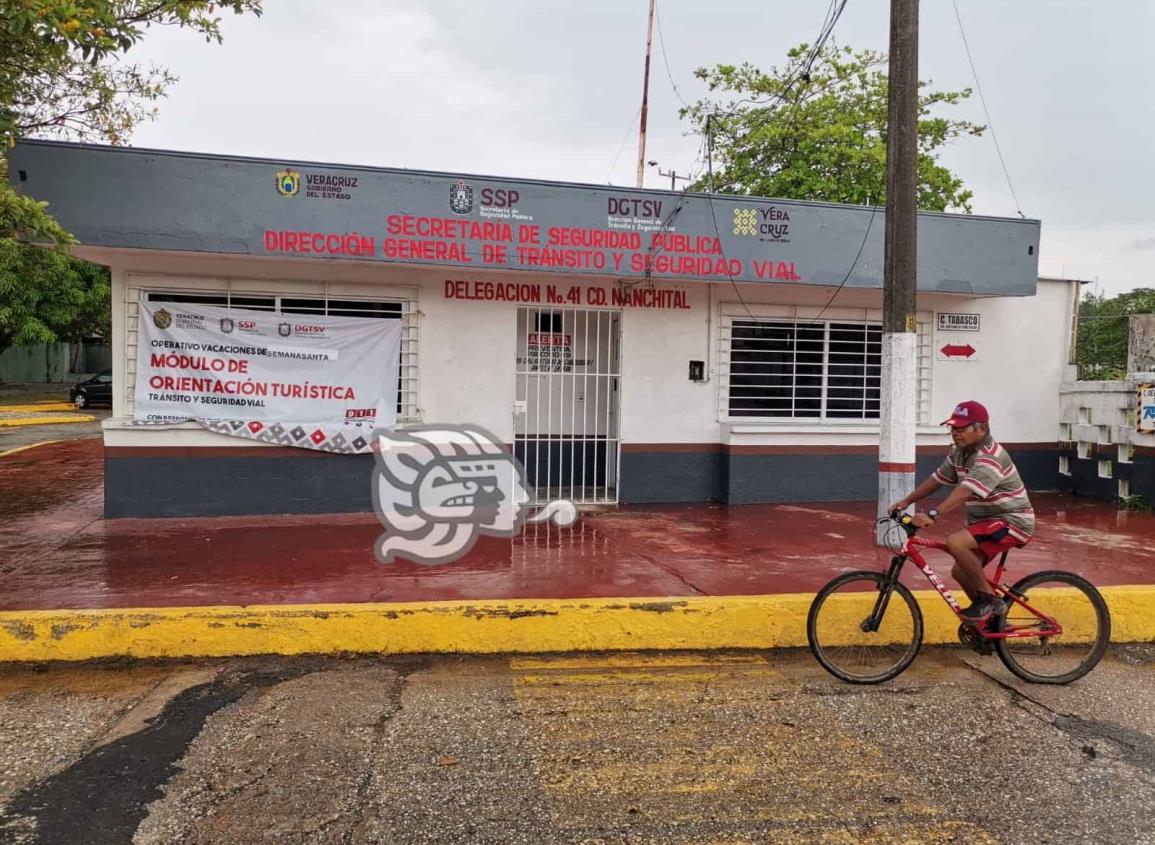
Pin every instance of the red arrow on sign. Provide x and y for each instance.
(952, 351)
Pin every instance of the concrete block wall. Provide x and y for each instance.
(40, 362)
(1101, 454)
(53, 363)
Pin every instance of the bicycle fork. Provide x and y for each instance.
(871, 623)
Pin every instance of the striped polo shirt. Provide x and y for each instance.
(990, 474)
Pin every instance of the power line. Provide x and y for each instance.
(986, 111)
(765, 113)
(802, 70)
(832, 16)
(695, 171)
(853, 264)
(666, 61)
(837, 290)
(622, 146)
(833, 13)
(714, 217)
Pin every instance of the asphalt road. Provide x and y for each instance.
(12, 437)
(738, 747)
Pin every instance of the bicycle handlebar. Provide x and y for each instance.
(902, 519)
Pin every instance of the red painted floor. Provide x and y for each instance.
(57, 552)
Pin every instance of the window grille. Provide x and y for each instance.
(798, 369)
(548, 321)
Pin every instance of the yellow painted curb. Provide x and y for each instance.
(45, 407)
(46, 420)
(25, 448)
(481, 627)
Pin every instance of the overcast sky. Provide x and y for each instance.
(550, 89)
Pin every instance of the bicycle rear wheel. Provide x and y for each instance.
(1055, 658)
(841, 637)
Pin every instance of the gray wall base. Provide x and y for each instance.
(655, 477)
(225, 486)
(221, 485)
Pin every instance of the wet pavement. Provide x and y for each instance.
(27, 435)
(35, 413)
(57, 552)
(685, 747)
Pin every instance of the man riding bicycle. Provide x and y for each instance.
(999, 513)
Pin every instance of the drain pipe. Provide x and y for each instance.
(709, 326)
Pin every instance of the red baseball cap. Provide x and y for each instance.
(965, 413)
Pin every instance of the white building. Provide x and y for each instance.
(743, 368)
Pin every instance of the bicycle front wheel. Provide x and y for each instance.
(861, 634)
(1045, 657)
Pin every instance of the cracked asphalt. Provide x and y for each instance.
(684, 747)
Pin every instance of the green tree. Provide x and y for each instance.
(1101, 345)
(47, 296)
(63, 74)
(821, 134)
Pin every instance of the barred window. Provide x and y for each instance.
(324, 306)
(796, 369)
(220, 300)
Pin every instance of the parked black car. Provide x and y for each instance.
(95, 391)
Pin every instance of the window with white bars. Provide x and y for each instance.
(924, 366)
(798, 369)
(331, 306)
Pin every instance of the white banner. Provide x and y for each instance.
(300, 378)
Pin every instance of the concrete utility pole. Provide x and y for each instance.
(645, 100)
(896, 446)
(673, 174)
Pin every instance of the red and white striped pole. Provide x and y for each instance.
(896, 446)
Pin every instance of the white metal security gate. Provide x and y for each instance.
(566, 431)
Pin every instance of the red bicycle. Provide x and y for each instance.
(1055, 628)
